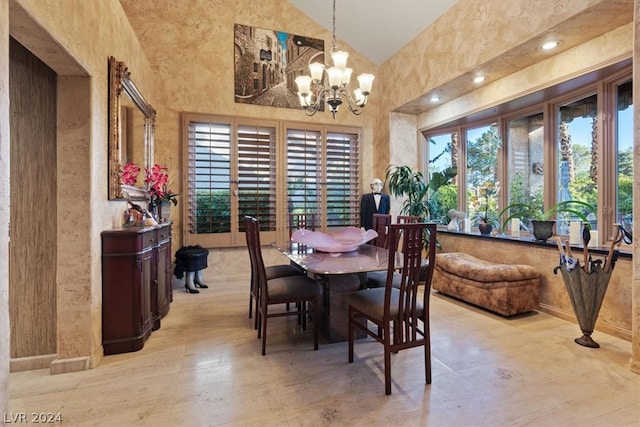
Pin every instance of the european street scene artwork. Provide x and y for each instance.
(267, 63)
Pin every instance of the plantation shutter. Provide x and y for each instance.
(257, 175)
(324, 177)
(209, 170)
(239, 166)
(342, 190)
(304, 149)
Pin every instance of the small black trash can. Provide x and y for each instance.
(190, 258)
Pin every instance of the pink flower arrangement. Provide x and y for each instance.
(130, 174)
(157, 179)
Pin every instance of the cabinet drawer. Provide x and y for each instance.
(164, 233)
(149, 239)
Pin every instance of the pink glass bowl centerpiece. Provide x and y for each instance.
(344, 240)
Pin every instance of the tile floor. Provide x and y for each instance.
(204, 368)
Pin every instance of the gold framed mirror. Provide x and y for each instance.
(132, 122)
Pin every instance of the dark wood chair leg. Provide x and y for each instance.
(316, 313)
(350, 335)
(387, 368)
(264, 334)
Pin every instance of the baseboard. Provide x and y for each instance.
(31, 363)
(600, 327)
(74, 364)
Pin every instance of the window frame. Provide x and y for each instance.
(603, 87)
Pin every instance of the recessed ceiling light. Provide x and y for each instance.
(550, 45)
(479, 79)
(434, 98)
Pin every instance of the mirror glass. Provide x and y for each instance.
(131, 133)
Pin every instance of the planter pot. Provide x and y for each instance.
(485, 229)
(542, 230)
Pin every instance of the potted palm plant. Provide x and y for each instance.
(541, 221)
(402, 181)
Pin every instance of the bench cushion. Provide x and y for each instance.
(464, 265)
(502, 288)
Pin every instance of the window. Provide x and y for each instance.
(525, 165)
(232, 170)
(577, 156)
(575, 145)
(257, 175)
(210, 177)
(231, 173)
(443, 154)
(624, 148)
(304, 148)
(482, 171)
(320, 172)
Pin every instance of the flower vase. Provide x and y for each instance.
(164, 210)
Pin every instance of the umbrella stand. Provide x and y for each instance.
(586, 286)
(586, 292)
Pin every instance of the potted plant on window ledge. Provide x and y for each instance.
(541, 221)
(483, 217)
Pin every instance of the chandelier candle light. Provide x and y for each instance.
(312, 91)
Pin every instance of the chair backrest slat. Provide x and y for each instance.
(381, 224)
(403, 219)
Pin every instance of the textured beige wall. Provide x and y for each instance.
(75, 38)
(491, 34)
(195, 69)
(4, 207)
(597, 53)
(499, 39)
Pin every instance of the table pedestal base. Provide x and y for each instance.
(335, 311)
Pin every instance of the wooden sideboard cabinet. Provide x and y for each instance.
(136, 285)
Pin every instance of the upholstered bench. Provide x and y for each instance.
(502, 288)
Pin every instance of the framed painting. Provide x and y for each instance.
(267, 63)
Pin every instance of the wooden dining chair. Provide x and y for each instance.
(271, 271)
(377, 279)
(401, 315)
(298, 289)
(380, 225)
(307, 221)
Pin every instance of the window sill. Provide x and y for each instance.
(527, 239)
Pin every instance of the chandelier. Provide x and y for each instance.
(330, 84)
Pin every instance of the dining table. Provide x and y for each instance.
(340, 274)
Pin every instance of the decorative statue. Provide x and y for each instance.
(373, 203)
(457, 218)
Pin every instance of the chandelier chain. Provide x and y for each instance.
(334, 43)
